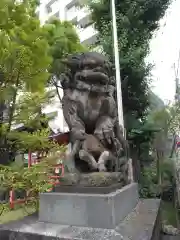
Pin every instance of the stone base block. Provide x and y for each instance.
(143, 223)
(88, 210)
(94, 179)
(85, 190)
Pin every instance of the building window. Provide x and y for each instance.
(87, 24)
(71, 15)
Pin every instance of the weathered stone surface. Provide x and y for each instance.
(138, 225)
(95, 179)
(43, 231)
(70, 179)
(90, 110)
(169, 237)
(141, 223)
(170, 230)
(100, 178)
(88, 210)
(88, 189)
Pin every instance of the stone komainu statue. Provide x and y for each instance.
(90, 111)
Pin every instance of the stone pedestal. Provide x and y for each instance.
(119, 215)
(88, 210)
(143, 223)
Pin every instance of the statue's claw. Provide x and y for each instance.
(87, 157)
(102, 168)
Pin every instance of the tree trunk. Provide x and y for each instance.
(57, 91)
(12, 108)
(158, 166)
(136, 164)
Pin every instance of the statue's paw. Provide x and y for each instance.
(78, 135)
(102, 168)
(94, 166)
(85, 156)
(82, 154)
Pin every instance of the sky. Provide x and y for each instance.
(164, 53)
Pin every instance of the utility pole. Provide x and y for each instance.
(176, 71)
(118, 82)
(117, 65)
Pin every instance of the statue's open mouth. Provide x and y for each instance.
(92, 76)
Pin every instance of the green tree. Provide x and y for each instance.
(22, 45)
(24, 57)
(165, 121)
(63, 40)
(160, 118)
(136, 23)
(35, 179)
(24, 62)
(29, 113)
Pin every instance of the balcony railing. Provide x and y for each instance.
(84, 17)
(52, 7)
(54, 14)
(88, 35)
(72, 14)
(50, 3)
(80, 16)
(72, 3)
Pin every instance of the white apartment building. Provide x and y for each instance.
(69, 10)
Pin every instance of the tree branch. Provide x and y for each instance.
(60, 99)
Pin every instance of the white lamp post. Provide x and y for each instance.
(117, 65)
